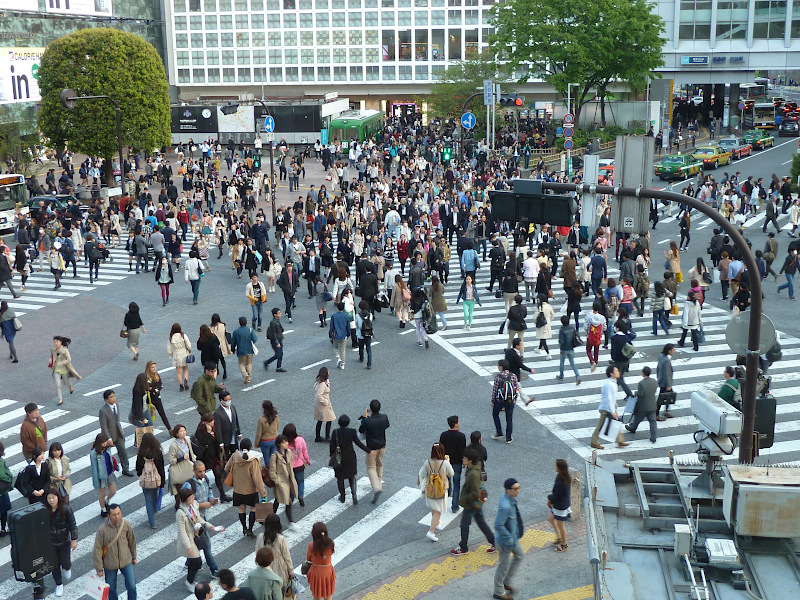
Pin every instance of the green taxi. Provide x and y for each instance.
(759, 138)
(678, 165)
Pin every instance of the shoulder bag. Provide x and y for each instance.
(17, 324)
(190, 358)
(336, 457)
(114, 541)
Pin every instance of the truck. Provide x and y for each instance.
(737, 147)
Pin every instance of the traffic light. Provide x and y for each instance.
(511, 100)
(577, 163)
(256, 161)
(447, 154)
(529, 202)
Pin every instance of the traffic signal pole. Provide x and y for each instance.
(746, 446)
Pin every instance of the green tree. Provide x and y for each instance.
(17, 149)
(103, 61)
(589, 44)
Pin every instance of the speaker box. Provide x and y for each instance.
(32, 555)
(764, 423)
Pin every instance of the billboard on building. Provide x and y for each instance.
(93, 8)
(242, 121)
(23, 5)
(194, 119)
(19, 75)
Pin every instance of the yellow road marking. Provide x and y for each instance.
(579, 593)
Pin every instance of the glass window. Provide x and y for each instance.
(257, 21)
(275, 57)
(355, 38)
(258, 39)
(436, 72)
(274, 38)
(276, 73)
(339, 55)
(486, 17)
(471, 17)
(243, 40)
(421, 72)
(388, 73)
(229, 75)
(322, 4)
(305, 5)
(210, 5)
(240, 5)
(198, 58)
(338, 38)
(181, 40)
(340, 73)
(356, 55)
(420, 18)
(437, 17)
(224, 5)
(242, 57)
(404, 43)
(437, 44)
(421, 44)
(260, 74)
(387, 18)
(306, 19)
(373, 73)
(244, 75)
(454, 2)
(356, 73)
(372, 55)
(337, 19)
(307, 73)
(404, 17)
(387, 3)
(290, 57)
(371, 36)
(194, 5)
(323, 73)
(307, 57)
(242, 22)
(259, 57)
(197, 40)
(212, 40)
(354, 19)
(183, 75)
(256, 5)
(337, 4)
(437, 2)
(471, 48)
(405, 73)
(290, 38)
(454, 17)
(227, 57)
(307, 38)
(196, 22)
(454, 44)
(182, 58)
(213, 76)
(323, 39)
(289, 5)
(212, 58)
(770, 19)
(273, 5)
(795, 33)
(371, 19)
(179, 6)
(353, 3)
(291, 73)
(226, 22)
(290, 21)
(322, 20)
(388, 45)
(420, 3)
(370, 3)
(211, 21)
(404, 3)
(180, 23)
(274, 21)
(695, 19)
(323, 55)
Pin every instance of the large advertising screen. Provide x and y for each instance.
(194, 119)
(19, 78)
(95, 8)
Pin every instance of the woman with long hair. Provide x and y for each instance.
(248, 484)
(164, 278)
(58, 463)
(436, 464)
(61, 364)
(282, 474)
(673, 256)
(321, 576)
(63, 536)
(469, 292)
(134, 327)
(400, 299)
(5, 501)
(192, 533)
(272, 538)
(9, 332)
(154, 385)
(323, 410)
(559, 504)
(267, 430)
(104, 479)
(209, 346)
(178, 348)
(209, 452)
(685, 224)
(342, 441)
(149, 462)
(301, 459)
(218, 328)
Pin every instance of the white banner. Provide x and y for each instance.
(19, 75)
(23, 5)
(95, 8)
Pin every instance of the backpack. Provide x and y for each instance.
(150, 477)
(737, 393)
(612, 304)
(434, 488)
(507, 391)
(541, 320)
(595, 334)
(366, 327)
(642, 283)
(483, 496)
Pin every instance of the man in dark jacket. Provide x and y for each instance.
(369, 288)
(454, 443)
(514, 357)
(497, 261)
(416, 276)
(288, 282)
(364, 265)
(645, 404)
(374, 425)
(472, 503)
(618, 359)
(312, 267)
(275, 337)
(227, 432)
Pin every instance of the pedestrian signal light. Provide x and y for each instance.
(447, 154)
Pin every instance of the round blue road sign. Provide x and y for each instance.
(568, 144)
(269, 124)
(468, 120)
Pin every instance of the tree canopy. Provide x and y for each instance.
(104, 61)
(591, 43)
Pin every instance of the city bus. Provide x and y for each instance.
(355, 124)
(759, 115)
(752, 92)
(12, 191)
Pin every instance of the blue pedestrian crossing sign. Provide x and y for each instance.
(468, 120)
(269, 124)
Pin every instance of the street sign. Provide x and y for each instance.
(741, 105)
(569, 118)
(487, 92)
(628, 222)
(568, 131)
(559, 130)
(468, 120)
(737, 331)
(269, 124)
(568, 144)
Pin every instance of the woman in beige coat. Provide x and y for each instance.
(192, 534)
(178, 348)
(59, 470)
(323, 411)
(282, 475)
(272, 538)
(544, 333)
(673, 256)
(219, 329)
(181, 460)
(247, 484)
(61, 364)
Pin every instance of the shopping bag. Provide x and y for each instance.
(263, 510)
(159, 499)
(627, 412)
(610, 429)
(715, 276)
(140, 431)
(96, 587)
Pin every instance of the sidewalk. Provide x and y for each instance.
(543, 575)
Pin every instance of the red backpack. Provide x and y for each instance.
(595, 334)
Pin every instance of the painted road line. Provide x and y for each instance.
(103, 389)
(407, 331)
(460, 356)
(166, 369)
(447, 517)
(316, 364)
(252, 387)
(186, 410)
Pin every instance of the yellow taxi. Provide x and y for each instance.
(712, 156)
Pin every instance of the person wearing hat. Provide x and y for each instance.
(508, 529)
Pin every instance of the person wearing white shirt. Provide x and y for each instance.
(608, 407)
(530, 273)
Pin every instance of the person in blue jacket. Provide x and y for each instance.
(507, 531)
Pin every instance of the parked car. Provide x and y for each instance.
(736, 146)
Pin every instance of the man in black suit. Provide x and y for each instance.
(311, 269)
(363, 266)
(454, 443)
(288, 282)
(111, 428)
(369, 288)
(515, 364)
(645, 404)
(226, 425)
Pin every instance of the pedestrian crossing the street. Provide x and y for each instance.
(701, 222)
(159, 571)
(569, 411)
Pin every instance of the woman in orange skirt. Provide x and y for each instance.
(321, 576)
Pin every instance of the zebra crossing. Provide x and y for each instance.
(569, 411)
(160, 572)
(700, 222)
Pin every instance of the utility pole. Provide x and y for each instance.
(271, 166)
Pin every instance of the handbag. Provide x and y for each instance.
(674, 310)
(305, 567)
(610, 429)
(190, 358)
(667, 398)
(577, 342)
(140, 431)
(628, 350)
(266, 477)
(498, 294)
(327, 296)
(502, 327)
(229, 478)
(296, 587)
(336, 457)
(17, 324)
(263, 510)
(123, 333)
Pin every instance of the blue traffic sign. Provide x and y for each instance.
(741, 105)
(468, 120)
(568, 131)
(559, 130)
(568, 144)
(269, 124)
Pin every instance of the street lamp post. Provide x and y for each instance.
(69, 100)
(271, 165)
